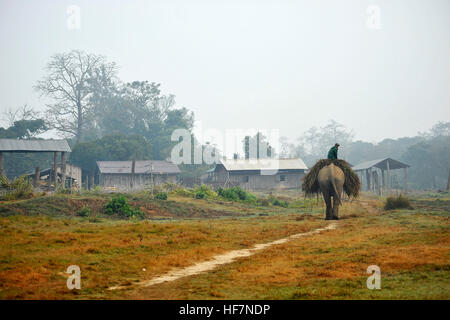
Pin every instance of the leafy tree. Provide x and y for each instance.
(430, 163)
(139, 108)
(109, 148)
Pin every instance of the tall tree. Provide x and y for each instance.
(70, 81)
(139, 108)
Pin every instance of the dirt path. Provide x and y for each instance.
(220, 260)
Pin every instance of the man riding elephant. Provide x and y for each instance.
(332, 154)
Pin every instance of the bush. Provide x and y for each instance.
(204, 192)
(281, 203)
(183, 192)
(20, 188)
(200, 195)
(236, 194)
(161, 196)
(61, 190)
(263, 202)
(84, 212)
(4, 182)
(399, 202)
(119, 205)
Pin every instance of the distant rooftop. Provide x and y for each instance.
(381, 164)
(141, 167)
(16, 145)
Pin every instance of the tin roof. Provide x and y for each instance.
(17, 145)
(263, 164)
(141, 167)
(381, 164)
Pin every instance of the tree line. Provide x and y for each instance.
(428, 153)
(105, 118)
(102, 117)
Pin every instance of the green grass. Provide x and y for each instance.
(42, 236)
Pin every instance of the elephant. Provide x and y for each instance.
(331, 180)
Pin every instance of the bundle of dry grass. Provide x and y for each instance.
(352, 184)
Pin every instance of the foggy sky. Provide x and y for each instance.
(252, 64)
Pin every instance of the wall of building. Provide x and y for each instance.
(259, 182)
(255, 181)
(141, 181)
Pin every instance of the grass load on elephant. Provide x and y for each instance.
(352, 183)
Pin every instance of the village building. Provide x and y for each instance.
(258, 174)
(56, 175)
(142, 174)
(377, 175)
(43, 178)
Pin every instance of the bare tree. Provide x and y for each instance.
(22, 113)
(70, 82)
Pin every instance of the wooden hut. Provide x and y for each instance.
(376, 175)
(41, 145)
(126, 175)
(258, 174)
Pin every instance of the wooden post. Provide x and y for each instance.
(37, 175)
(151, 177)
(448, 180)
(388, 177)
(91, 180)
(63, 170)
(383, 182)
(55, 168)
(70, 181)
(133, 167)
(368, 179)
(2, 171)
(406, 179)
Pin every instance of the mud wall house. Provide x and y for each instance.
(258, 174)
(118, 175)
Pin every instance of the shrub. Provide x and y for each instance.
(180, 191)
(61, 190)
(119, 205)
(263, 202)
(161, 196)
(399, 202)
(236, 194)
(20, 188)
(200, 195)
(204, 192)
(169, 186)
(281, 203)
(84, 212)
(4, 182)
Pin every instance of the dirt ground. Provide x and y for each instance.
(253, 250)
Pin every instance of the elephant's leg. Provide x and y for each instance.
(335, 214)
(336, 202)
(327, 198)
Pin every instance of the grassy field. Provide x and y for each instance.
(42, 236)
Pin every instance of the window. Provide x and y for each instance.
(282, 177)
(245, 179)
